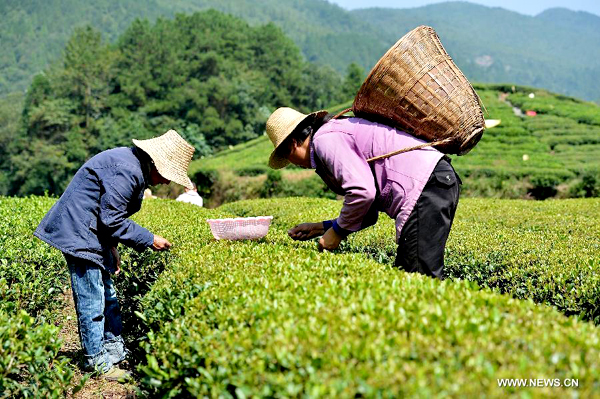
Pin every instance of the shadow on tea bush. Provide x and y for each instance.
(543, 187)
(205, 180)
(139, 271)
(253, 171)
(588, 186)
(273, 185)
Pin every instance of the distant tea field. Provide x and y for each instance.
(554, 154)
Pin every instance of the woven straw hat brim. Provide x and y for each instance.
(171, 155)
(277, 162)
(280, 125)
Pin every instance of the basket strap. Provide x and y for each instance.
(342, 113)
(417, 147)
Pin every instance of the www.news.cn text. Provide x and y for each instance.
(538, 382)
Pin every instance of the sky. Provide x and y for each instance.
(527, 7)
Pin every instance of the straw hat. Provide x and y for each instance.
(171, 155)
(280, 125)
(490, 123)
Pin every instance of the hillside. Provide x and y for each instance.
(210, 76)
(558, 49)
(552, 154)
(34, 32)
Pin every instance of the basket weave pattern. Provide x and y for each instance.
(240, 228)
(416, 87)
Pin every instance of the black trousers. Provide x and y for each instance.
(423, 236)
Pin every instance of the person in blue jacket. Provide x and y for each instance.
(91, 218)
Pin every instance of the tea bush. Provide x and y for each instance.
(181, 224)
(33, 278)
(588, 186)
(30, 365)
(524, 156)
(33, 281)
(548, 103)
(253, 170)
(276, 318)
(546, 251)
(36, 274)
(311, 186)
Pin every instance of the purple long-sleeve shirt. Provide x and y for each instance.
(339, 151)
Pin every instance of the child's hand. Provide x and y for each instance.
(160, 244)
(117, 257)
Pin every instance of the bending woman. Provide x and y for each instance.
(419, 189)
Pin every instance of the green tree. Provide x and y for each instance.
(10, 108)
(355, 77)
(210, 76)
(87, 77)
(39, 168)
(60, 115)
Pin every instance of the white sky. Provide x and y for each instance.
(528, 7)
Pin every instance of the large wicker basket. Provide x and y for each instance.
(417, 88)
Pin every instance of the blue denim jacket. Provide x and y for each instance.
(91, 215)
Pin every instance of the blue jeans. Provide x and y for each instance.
(98, 315)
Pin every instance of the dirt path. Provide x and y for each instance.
(504, 98)
(94, 387)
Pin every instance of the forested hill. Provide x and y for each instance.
(558, 49)
(210, 76)
(34, 32)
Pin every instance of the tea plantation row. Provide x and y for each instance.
(33, 283)
(545, 251)
(277, 318)
(32, 280)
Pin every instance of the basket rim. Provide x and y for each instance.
(253, 218)
(383, 58)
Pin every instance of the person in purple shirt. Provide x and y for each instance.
(419, 189)
(92, 217)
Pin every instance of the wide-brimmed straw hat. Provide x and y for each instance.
(280, 125)
(171, 155)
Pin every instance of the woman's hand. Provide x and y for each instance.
(117, 257)
(330, 240)
(306, 231)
